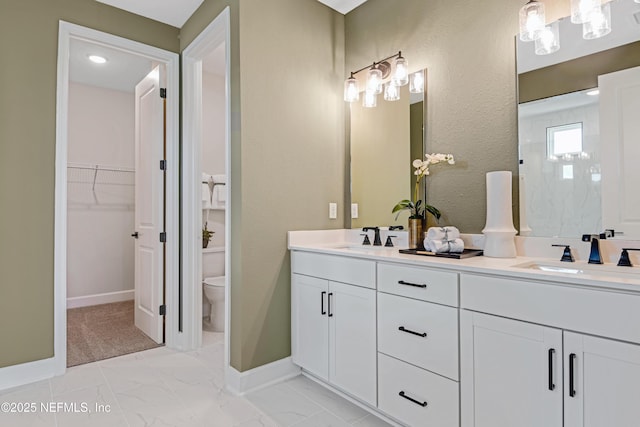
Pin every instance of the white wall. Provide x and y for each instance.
(100, 256)
(213, 144)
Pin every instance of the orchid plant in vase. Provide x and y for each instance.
(416, 207)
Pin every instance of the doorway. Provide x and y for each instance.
(207, 55)
(116, 228)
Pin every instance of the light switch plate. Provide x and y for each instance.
(354, 210)
(333, 210)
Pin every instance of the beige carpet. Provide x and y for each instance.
(103, 331)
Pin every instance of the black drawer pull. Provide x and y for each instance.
(329, 303)
(322, 310)
(402, 282)
(572, 362)
(409, 331)
(552, 386)
(423, 404)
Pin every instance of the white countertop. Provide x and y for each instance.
(606, 276)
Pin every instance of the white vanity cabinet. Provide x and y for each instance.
(334, 323)
(511, 373)
(418, 345)
(515, 371)
(605, 390)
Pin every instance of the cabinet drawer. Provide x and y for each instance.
(420, 283)
(429, 334)
(594, 311)
(397, 378)
(360, 272)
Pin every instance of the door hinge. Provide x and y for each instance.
(163, 165)
(163, 92)
(163, 237)
(163, 310)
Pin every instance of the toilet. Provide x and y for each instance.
(213, 286)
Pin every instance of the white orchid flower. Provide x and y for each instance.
(417, 163)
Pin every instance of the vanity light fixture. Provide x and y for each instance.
(369, 100)
(416, 82)
(376, 75)
(599, 23)
(351, 89)
(374, 79)
(401, 73)
(549, 40)
(581, 10)
(532, 20)
(97, 59)
(391, 91)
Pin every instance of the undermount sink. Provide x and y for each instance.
(581, 268)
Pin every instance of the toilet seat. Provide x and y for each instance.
(214, 281)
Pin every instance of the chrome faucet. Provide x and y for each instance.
(567, 256)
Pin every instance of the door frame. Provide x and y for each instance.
(170, 60)
(216, 33)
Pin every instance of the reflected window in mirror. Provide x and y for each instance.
(567, 190)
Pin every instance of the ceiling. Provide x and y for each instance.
(122, 71)
(172, 12)
(343, 6)
(176, 12)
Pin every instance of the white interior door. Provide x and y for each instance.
(149, 209)
(620, 148)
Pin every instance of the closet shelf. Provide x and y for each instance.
(98, 174)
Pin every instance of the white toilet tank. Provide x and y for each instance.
(213, 261)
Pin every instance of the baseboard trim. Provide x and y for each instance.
(240, 383)
(98, 299)
(26, 373)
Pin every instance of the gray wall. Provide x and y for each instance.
(29, 45)
(287, 154)
(469, 51)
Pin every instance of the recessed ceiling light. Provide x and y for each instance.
(97, 59)
(593, 92)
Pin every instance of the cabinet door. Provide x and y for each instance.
(352, 340)
(511, 373)
(309, 326)
(602, 380)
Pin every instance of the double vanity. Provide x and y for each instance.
(476, 342)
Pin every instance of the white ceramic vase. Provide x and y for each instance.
(499, 231)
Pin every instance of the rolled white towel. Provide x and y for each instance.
(444, 246)
(443, 233)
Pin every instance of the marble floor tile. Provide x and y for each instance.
(327, 399)
(284, 404)
(322, 419)
(168, 388)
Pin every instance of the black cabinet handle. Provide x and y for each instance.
(135, 235)
(552, 386)
(402, 282)
(572, 362)
(409, 331)
(322, 311)
(329, 303)
(402, 394)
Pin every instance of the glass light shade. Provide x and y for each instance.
(599, 24)
(351, 90)
(401, 73)
(532, 20)
(416, 82)
(391, 92)
(369, 100)
(581, 10)
(374, 80)
(549, 40)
